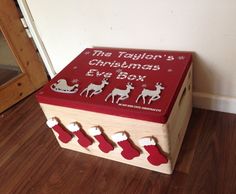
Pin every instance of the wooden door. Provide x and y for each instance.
(32, 74)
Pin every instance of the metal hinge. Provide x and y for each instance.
(26, 27)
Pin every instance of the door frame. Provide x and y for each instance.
(33, 74)
(35, 35)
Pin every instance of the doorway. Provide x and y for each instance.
(21, 69)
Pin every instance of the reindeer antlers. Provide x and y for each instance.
(158, 83)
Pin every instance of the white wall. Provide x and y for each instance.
(206, 27)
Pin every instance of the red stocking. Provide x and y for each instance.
(63, 134)
(83, 139)
(155, 156)
(104, 144)
(129, 151)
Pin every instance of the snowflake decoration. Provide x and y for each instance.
(86, 53)
(181, 57)
(74, 81)
(170, 70)
(118, 70)
(75, 67)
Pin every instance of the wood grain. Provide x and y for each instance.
(31, 160)
(33, 74)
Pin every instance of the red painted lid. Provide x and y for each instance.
(143, 84)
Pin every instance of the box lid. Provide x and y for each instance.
(139, 84)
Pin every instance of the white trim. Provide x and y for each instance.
(73, 127)
(147, 141)
(117, 137)
(94, 131)
(35, 35)
(52, 122)
(214, 102)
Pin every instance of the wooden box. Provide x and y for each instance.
(131, 106)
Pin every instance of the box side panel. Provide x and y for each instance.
(179, 118)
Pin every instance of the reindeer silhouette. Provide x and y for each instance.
(97, 89)
(62, 87)
(123, 94)
(154, 94)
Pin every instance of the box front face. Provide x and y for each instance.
(136, 84)
(135, 130)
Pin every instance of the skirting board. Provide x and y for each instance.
(214, 102)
